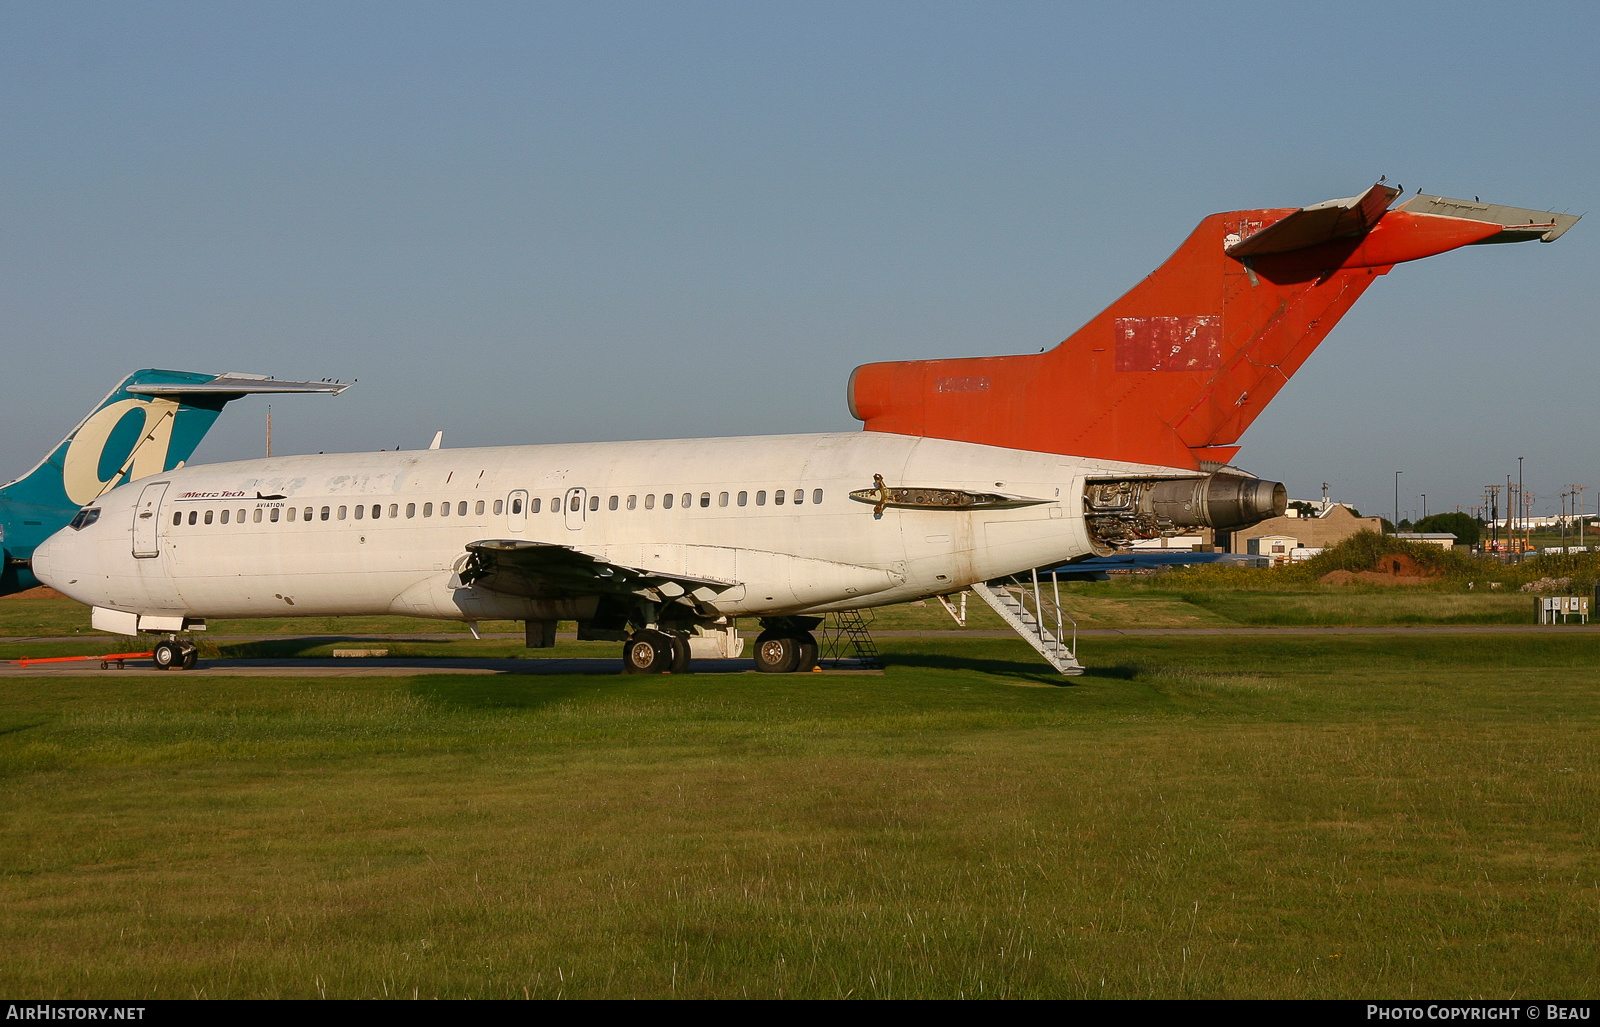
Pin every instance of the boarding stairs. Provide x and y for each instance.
(1037, 617)
(845, 638)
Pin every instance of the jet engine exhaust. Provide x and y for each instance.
(1121, 512)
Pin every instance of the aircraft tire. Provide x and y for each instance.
(647, 652)
(777, 653)
(167, 656)
(191, 656)
(807, 643)
(680, 654)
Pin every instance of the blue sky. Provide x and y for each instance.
(562, 222)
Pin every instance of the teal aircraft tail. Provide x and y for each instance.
(150, 423)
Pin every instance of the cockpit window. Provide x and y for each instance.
(85, 518)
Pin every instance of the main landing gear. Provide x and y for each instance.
(785, 651)
(175, 654)
(655, 652)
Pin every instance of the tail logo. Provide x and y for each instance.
(80, 469)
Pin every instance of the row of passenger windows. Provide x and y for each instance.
(687, 500)
(377, 510)
(274, 514)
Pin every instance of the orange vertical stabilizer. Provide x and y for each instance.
(1173, 373)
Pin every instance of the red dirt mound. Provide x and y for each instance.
(1391, 569)
(37, 592)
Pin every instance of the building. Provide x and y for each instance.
(1442, 539)
(1330, 527)
(1275, 547)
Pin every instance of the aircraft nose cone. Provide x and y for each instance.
(43, 562)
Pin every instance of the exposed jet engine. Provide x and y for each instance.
(1121, 512)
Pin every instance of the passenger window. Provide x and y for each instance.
(500, 506)
(194, 515)
(633, 502)
(361, 512)
(688, 500)
(666, 501)
(722, 499)
(377, 510)
(427, 509)
(816, 496)
(224, 517)
(594, 503)
(744, 498)
(799, 496)
(341, 513)
(411, 510)
(705, 500)
(444, 509)
(208, 516)
(291, 513)
(761, 498)
(325, 513)
(777, 498)
(650, 501)
(611, 504)
(256, 517)
(556, 504)
(533, 505)
(394, 509)
(177, 518)
(240, 517)
(478, 510)
(274, 517)
(461, 508)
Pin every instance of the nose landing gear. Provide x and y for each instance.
(175, 654)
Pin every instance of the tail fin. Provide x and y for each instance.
(1173, 373)
(151, 422)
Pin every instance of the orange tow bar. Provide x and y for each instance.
(105, 661)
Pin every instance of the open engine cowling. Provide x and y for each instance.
(1124, 511)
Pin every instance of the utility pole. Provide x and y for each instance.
(1491, 504)
(1397, 475)
(1522, 522)
(1424, 505)
(1577, 494)
(269, 429)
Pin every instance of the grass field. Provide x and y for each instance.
(1199, 816)
(1248, 599)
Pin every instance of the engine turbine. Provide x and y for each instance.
(1122, 512)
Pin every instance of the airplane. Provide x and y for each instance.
(150, 422)
(969, 472)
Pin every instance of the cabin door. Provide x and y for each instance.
(147, 521)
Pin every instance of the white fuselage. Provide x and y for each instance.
(366, 533)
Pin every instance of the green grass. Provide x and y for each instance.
(1287, 817)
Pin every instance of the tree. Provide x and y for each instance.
(1461, 525)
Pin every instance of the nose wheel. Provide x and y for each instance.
(173, 654)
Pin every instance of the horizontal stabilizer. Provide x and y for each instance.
(1318, 223)
(1518, 224)
(235, 384)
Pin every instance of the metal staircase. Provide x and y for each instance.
(846, 637)
(1023, 606)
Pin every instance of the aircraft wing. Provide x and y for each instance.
(547, 570)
